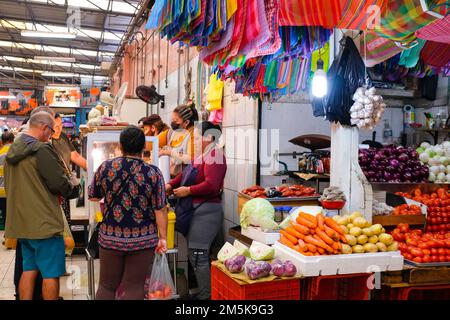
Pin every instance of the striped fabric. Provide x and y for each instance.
(377, 49)
(325, 13)
(403, 17)
(436, 54)
(438, 31)
(360, 14)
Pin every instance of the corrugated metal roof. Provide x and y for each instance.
(95, 18)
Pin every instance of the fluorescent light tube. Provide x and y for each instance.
(59, 74)
(60, 59)
(7, 97)
(47, 34)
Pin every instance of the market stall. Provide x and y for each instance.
(353, 79)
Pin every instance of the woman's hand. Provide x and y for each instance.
(168, 188)
(182, 192)
(162, 246)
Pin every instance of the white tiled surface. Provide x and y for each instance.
(69, 291)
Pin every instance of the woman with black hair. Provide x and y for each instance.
(180, 139)
(199, 189)
(135, 211)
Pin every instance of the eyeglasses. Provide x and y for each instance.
(53, 130)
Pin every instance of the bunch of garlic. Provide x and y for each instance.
(368, 108)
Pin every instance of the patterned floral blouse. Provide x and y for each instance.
(132, 190)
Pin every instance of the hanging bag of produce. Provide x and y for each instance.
(438, 31)
(325, 13)
(160, 284)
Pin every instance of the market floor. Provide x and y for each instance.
(72, 287)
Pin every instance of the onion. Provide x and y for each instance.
(403, 157)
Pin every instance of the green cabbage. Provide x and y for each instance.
(260, 251)
(242, 248)
(227, 251)
(259, 213)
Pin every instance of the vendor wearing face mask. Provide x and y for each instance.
(180, 140)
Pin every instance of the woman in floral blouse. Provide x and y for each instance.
(135, 209)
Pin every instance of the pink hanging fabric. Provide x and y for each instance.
(438, 31)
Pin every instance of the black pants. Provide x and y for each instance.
(3, 211)
(18, 270)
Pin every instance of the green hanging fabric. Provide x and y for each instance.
(410, 57)
(271, 76)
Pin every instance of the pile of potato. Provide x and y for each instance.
(363, 237)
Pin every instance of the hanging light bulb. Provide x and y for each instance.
(319, 81)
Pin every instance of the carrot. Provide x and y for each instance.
(337, 246)
(343, 238)
(305, 222)
(320, 222)
(309, 217)
(312, 230)
(310, 254)
(320, 250)
(312, 248)
(300, 228)
(317, 243)
(294, 232)
(302, 245)
(331, 233)
(324, 237)
(292, 239)
(286, 242)
(333, 225)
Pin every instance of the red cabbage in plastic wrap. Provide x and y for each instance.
(278, 268)
(235, 264)
(256, 270)
(290, 269)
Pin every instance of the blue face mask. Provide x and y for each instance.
(175, 126)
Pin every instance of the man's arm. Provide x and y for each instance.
(52, 171)
(76, 158)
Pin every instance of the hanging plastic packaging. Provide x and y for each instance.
(346, 74)
(160, 285)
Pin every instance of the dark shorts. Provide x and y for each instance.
(46, 255)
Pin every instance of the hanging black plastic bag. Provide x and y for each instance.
(346, 74)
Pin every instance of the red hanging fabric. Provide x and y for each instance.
(436, 54)
(325, 13)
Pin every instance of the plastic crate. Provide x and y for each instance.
(339, 287)
(427, 292)
(225, 288)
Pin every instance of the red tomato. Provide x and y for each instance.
(417, 252)
(435, 258)
(404, 228)
(434, 251)
(423, 245)
(426, 259)
(418, 260)
(408, 256)
(445, 219)
(442, 252)
(432, 244)
(448, 257)
(442, 258)
(426, 252)
(411, 242)
(433, 221)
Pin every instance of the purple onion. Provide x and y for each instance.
(403, 157)
(394, 163)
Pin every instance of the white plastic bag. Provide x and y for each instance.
(160, 286)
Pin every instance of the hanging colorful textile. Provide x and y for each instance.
(215, 93)
(403, 17)
(438, 31)
(377, 49)
(325, 13)
(436, 54)
(361, 14)
(410, 57)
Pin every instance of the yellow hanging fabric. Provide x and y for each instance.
(231, 8)
(215, 93)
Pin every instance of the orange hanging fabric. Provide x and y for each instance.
(361, 14)
(325, 13)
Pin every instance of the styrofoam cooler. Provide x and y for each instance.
(308, 266)
(261, 236)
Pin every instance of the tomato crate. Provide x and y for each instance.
(424, 292)
(225, 288)
(338, 287)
